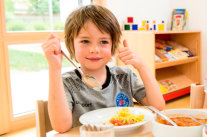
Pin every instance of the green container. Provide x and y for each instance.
(126, 27)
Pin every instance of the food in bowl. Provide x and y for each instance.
(164, 130)
(181, 120)
(124, 117)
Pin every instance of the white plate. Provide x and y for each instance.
(104, 114)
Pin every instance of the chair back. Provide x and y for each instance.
(197, 96)
(43, 124)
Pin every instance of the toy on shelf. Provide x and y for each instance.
(178, 54)
(127, 27)
(171, 50)
(162, 88)
(157, 59)
(134, 26)
(168, 84)
(130, 25)
(184, 49)
(162, 45)
(130, 20)
(161, 26)
(154, 25)
(145, 25)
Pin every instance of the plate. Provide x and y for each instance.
(104, 114)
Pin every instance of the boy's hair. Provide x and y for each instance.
(100, 16)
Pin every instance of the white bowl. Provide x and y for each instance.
(161, 130)
(204, 133)
(104, 114)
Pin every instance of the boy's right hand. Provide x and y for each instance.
(52, 51)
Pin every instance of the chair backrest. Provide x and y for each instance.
(43, 124)
(197, 96)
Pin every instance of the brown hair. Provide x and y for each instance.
(100, 16)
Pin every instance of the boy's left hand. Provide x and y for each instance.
(127, 56)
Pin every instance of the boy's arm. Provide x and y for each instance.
(59, 112)
(153, 94)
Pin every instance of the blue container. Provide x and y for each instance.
(134, 27)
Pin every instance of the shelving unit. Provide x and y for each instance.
(182, 72)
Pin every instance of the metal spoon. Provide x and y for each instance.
(90, 81)
(161, 114)
(197, 121)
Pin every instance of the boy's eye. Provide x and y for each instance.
(84, 41)
(104, 42)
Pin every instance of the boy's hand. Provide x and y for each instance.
(52, 50)
(128, 56)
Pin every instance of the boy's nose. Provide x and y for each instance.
(94, 49)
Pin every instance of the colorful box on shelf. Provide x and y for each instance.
(178, 54)
(130, 26)
(146, 25)
(127, 26)
(161, 55)
(168, 84)
(130, 20)
(134, 26)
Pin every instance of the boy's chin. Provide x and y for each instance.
(95, 66)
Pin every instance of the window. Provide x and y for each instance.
(39, 15)
(24, 25)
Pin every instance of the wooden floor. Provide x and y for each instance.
(182, 102)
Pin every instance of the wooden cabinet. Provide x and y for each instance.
(182, 72)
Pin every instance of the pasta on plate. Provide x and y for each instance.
(124, 117)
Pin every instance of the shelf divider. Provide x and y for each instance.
(175, 62)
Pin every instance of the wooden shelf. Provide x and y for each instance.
(175, 62)
(182, 72)
(175, 32)
(181, 80)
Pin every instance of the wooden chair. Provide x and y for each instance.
(197, 96)
(43, 124)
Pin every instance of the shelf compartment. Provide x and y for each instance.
(175, 62)
(178, 78)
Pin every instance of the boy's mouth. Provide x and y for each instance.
(94, 58)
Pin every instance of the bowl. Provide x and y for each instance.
(104, 114)
(204, 132)
(162, 130)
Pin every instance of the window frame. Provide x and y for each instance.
(8, 122)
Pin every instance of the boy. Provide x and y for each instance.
(92, 35)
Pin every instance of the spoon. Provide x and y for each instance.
(198, 121)
(161, 114)
(90, 81)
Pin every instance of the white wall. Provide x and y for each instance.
(197, 21)
(139, 9)
(161, 10)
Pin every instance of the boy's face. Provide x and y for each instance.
(92, 47)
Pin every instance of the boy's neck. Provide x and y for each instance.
(99, 74)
